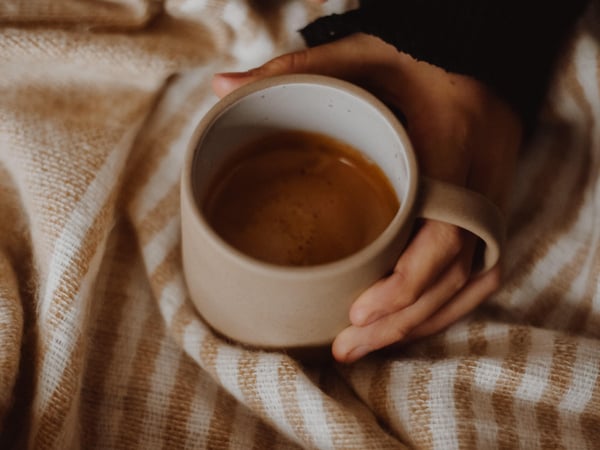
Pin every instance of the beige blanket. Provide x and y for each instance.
(100, 346)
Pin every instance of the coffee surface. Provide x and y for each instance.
(299, 198)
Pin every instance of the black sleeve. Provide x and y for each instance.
(511, 45)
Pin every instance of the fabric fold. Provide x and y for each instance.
(86, 13)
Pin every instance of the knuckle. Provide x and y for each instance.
(400, 333)
(289, 63)
(495, 279)
(401, 296)
(462, 273)
(451, 238)
(401, 301)
(456, 283)
(399, 277)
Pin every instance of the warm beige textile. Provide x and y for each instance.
(113, 13)
(100, 346)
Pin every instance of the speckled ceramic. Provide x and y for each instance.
(272, 306)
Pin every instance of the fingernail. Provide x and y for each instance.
(357, 353)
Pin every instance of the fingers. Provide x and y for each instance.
(429, 254)
(468, 299)
(395, 310)
(352, 58)
(323, 59)
(424, 318)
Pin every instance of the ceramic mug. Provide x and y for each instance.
(273, 306)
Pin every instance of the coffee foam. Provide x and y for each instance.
(299, 198)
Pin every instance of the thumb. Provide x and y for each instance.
(350, 58)
(302, 61)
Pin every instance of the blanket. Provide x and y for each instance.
(100, 346)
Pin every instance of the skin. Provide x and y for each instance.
(463, 134)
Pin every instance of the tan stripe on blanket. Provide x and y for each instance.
(108, 308)
(463, 387)
(547, 415)
(503, 397)
(66, 305)
(219, 433)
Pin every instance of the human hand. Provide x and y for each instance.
(463, 134)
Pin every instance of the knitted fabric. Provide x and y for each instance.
(100, 346)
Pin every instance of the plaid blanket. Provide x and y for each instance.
(102, 348)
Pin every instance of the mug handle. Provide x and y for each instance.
(466, 209)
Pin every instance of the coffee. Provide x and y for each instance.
(299, 198)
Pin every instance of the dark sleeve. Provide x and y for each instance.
(511, 45)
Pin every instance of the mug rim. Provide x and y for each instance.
(200, 224)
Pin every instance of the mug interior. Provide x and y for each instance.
(330, 107)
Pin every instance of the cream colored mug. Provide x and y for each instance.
(285, 307)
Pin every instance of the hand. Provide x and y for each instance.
(462, 134)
